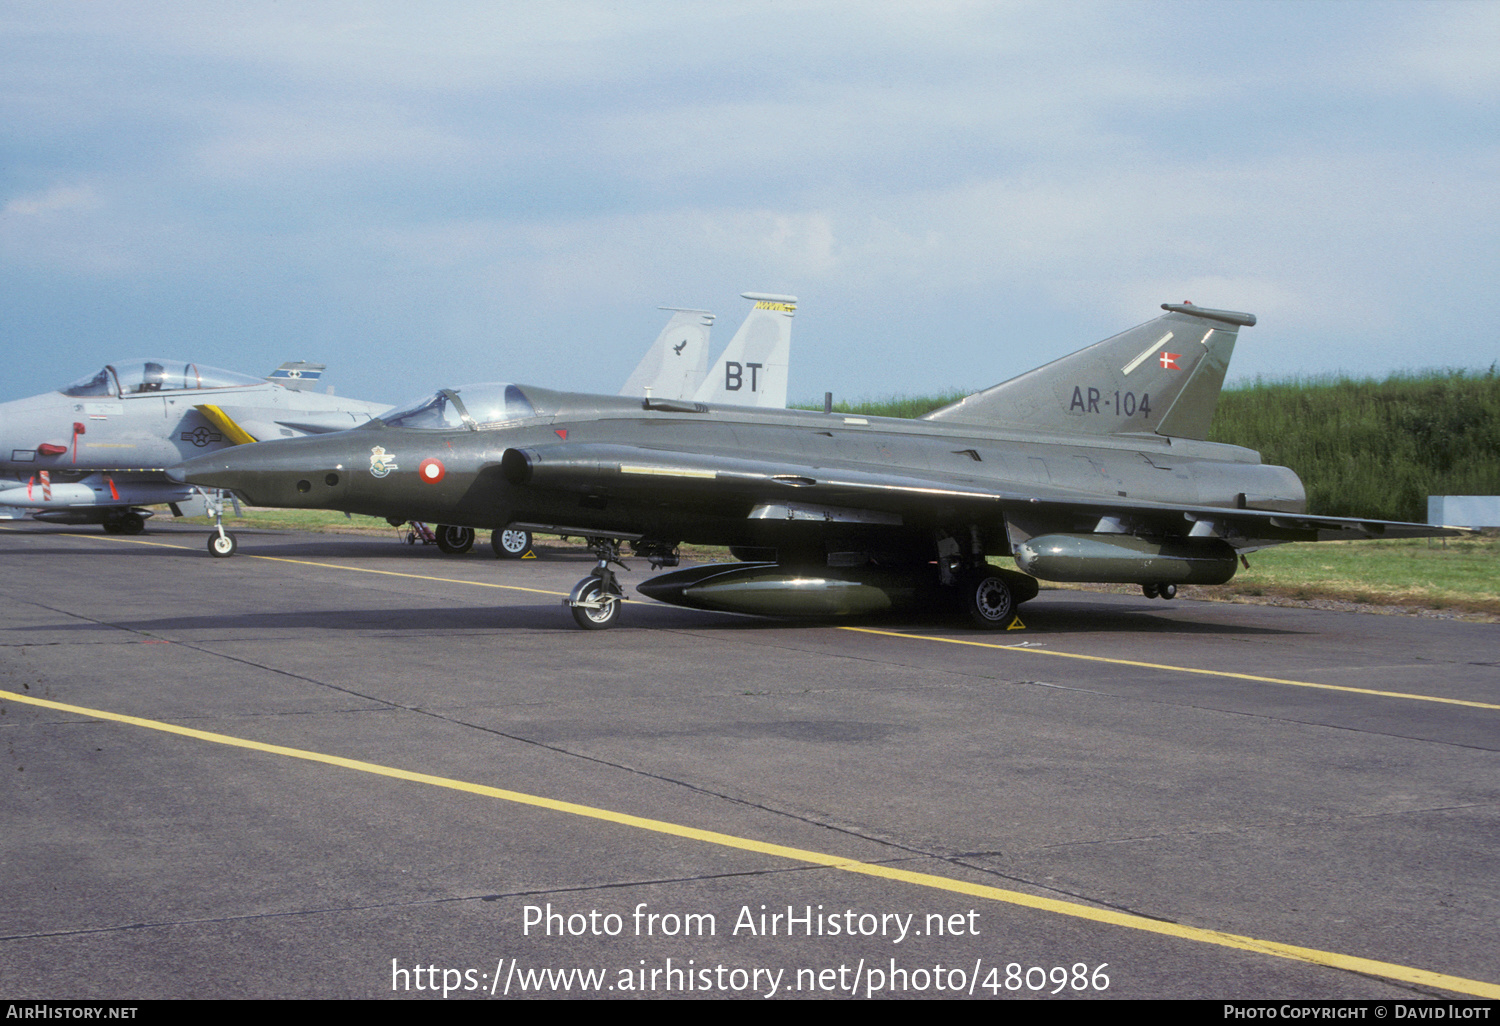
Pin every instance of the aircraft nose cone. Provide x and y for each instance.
(298, 473)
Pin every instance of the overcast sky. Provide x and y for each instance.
(429, 194)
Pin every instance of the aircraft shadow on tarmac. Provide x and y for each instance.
(1053, 613)
(1065, 618)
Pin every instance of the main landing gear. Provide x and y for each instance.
(988, 594)
(126, 523)
(510, 543)
(596, 599)
(987, 598)
(454, 540)
(1161, 591)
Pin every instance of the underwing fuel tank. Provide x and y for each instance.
(769, 589)
(1126, 559)
(38, 492)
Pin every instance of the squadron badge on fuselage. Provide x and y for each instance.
(381, 462)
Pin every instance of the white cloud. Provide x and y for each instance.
(1454, 47)
(56, 199)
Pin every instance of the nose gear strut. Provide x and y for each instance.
(596, 599)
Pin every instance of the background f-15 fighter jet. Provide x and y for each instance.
(752, 370)
(1094, 468)
(95, 451)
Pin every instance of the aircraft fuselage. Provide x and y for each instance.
(615, 466)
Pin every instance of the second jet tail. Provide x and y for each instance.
(677, 362)
(753, 370)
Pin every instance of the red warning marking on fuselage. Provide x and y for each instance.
(431, 470)
(561, 433)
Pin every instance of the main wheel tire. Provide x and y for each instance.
(132, 523)
(1151, 590)
(596, 619)
(221, 545)
(510, 543)
(111, 527)
(1167, 591)
(988, 599)
(455, 541)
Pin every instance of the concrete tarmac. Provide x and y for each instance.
(343, 767)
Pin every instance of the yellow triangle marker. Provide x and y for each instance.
(1016, 625)
(529, 555)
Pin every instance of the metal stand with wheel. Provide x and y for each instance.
(596, 599)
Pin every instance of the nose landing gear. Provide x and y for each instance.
(596, 599)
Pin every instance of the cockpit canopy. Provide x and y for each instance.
(137, 377)
(476, 407)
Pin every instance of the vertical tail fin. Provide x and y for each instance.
(1163, 376)
(753, 369)
(298, 375)
(677, 362)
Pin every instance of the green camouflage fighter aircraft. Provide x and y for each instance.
(1093, 468)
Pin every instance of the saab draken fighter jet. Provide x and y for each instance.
(1093, 468)
(95, 451)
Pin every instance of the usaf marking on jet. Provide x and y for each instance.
(677, 362)
(1093, 468)
(95, 451)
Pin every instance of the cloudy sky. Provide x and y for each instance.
(428, 194)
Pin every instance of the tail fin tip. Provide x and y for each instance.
(1244, 320)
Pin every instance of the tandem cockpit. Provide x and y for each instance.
(148, 377)
(475, 407)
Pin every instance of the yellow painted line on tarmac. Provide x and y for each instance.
(1350, 963)
(1029, 650)
(308, 562)
(417, 577)
(99, 537)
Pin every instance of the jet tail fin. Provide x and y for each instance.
(752, 371)
(298, 375)
(677, 361)
(1163, 376)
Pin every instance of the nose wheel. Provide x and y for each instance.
(594, 608)
(595, 600)
(221, 544)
